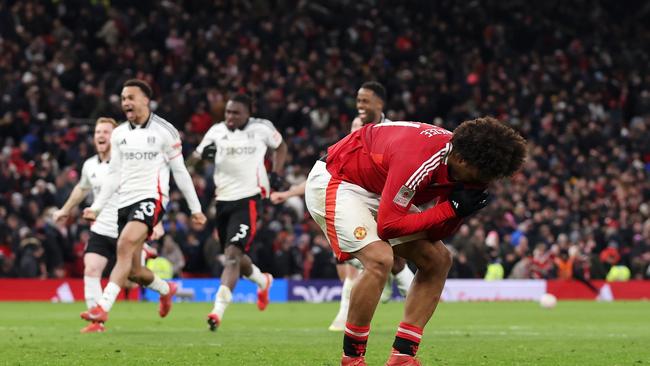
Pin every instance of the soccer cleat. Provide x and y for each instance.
(353, 361)
(338, 324)
(93, 327)
(263, 295)
(213, 322)
(399, 359)
(166, 300)
(95, 314)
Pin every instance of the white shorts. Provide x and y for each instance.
(346, 212)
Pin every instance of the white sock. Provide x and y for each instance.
(221, 301)
(92, 290)
(110, 294)
(258, 277)
(345, 298)
(158, 285)
(404, 279)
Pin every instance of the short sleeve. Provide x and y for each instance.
(84, 182)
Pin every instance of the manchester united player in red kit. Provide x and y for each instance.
(365, 197)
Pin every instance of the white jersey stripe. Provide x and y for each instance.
(430, 164)
(424, 165)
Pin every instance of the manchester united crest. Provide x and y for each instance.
(360, 232)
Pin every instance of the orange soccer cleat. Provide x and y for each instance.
(93, 327)
(213, 322)
(95, 314)
(399, 359)
(263, 295)
(166, 300)
(353, 361)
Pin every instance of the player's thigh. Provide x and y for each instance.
(132, 236)
(94, 264)
(425, 254)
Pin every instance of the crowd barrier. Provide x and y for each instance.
(316, 291)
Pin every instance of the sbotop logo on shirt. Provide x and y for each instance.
(241, 150)
(147, 155)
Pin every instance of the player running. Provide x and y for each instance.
(237, 147)
(141, 150)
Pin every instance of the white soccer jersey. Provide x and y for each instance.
(141, 158)
(239, 160)
(93, 174)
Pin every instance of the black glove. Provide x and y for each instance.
(276, 181)
(209, 152)
(467, 201)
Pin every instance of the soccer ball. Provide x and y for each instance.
(548, 301)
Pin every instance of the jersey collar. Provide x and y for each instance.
(145, 125)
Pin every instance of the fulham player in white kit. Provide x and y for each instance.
(141, 149)
(100, 249)
(237, 147)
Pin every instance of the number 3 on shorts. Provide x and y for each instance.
(146, 208)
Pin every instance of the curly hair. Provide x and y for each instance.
(493, 147)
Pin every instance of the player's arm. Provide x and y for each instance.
(356, 124)
(173, 151)
(110, 185)
(204, 151)
(76, 196)
(273, 139)
(295, 190)
(79, 192)
(393, 217)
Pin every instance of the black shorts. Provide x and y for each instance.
(237, 221)
(148, 211)
(104, 246)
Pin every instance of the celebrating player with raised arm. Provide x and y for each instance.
(365, 197)
(141, 147)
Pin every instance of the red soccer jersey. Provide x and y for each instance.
(405, 163)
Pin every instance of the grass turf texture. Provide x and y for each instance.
(574, 333)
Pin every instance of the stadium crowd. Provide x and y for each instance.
(572, 77)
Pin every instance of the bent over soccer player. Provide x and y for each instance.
(140, 150)
(365, 198)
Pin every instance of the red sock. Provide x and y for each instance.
(355, 340)
(407, 339)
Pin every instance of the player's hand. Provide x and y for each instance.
(158, 231)
(276, 181)
(467, 201)
(60, 215)
(279, 197)
(209, 152)
(199, 219)
(89, 214)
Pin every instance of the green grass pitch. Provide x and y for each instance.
(521, 333)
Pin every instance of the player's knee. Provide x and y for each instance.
(436, 260)
(379, 264)
(398, 264)
(93, 270)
